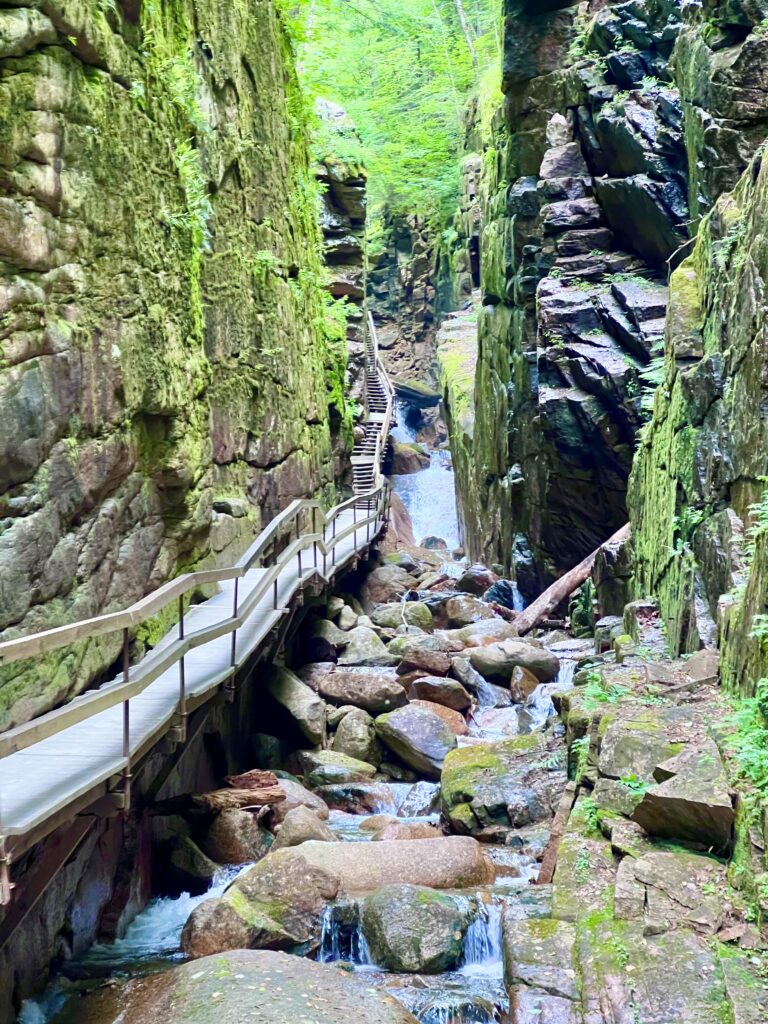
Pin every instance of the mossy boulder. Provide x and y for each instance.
(410, 928)
(329, 767)
(490, 788)
(409, 613)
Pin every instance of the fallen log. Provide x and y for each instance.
(257, 778)
(546, 603)
(549, 861)
(237, 799)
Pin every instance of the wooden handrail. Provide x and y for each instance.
(160, 660)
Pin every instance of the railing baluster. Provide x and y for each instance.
(126, 773)
(182, 676)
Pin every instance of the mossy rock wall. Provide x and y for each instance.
(704, 457)
(165, 381)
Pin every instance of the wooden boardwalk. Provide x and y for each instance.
(68, 760)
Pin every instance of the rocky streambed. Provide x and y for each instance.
(419, 767)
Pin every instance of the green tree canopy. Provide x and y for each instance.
(403, 70)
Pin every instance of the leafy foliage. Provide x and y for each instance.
(403, 70)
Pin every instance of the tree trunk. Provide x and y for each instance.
(543, 606)
(466, 28)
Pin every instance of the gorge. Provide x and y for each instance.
(336, 342)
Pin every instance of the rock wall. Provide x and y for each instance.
(622, 124)
(402, 287)
(698, 537)
(167, 383)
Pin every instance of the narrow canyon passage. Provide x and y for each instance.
(383, 511)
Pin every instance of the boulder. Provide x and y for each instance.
(297, 795)
(330, 767)
(408, 613)
(414, 640)
(235, 837)
(356, 737)
(385, 584)
(504, 593)
(465, 610)
(412, 928)
(418, 737)
(408, 458)
(433, 663)
(301, 702)
(365, 647)
(479, 634)
(335, 716)
(497, 661)
(347, 618)
(449, 862)
(670, 889)
(692, 802)
(386, 828)
(190, 866)
(453, 719)
(375, 690)
(241, 986)
(522, 684)
(359, 797)
(489, 788)
(277, 904)
(441, 690)
(476, 580)
(299, 826)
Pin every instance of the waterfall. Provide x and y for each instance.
(483, 943)
(341, 936)
(564, 679)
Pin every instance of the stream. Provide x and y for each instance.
(430, 495)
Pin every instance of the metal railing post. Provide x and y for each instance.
(314, 532)
(325, 553)
(126, 773)
(233, 658)
(182, 677)
(354, 520)
(6, 885)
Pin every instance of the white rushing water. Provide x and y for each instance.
(430, 495)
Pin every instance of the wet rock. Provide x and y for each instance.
(418, 737)
(364, 647)
(453, 719)
(236, 837)
(375, 690)
(356, 737)
(480, 634)
(476, 580)
(440, 690)
(490, 788)
(409, 613)
(404, 644)
(408, 458)
(190, 866)
(297, 795)
(330, 767)
(384, 585)
(503, 592)
(522, 684)
(465, 610)
(277, 904)
(497, 661)
(433, 663)
(241, 985)
(302, 703)
(299, 826)
(694, 802)
(412, 928)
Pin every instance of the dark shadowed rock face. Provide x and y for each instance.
(623, 123)
(244, 985)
